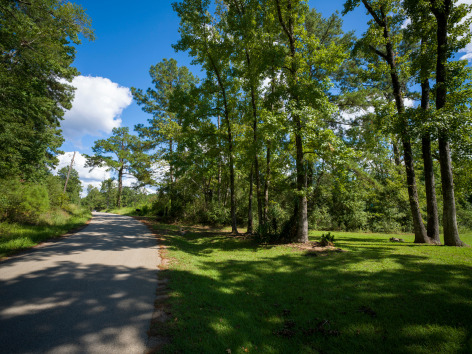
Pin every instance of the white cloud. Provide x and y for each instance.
(468, 48)
(96, 107)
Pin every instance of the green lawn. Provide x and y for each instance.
(16, 237)
(378, 297)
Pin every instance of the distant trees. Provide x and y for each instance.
(104, 198)
(128, 157)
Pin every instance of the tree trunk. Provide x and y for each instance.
(420, 230)
(451, 233)
(267, 184)
(256, 160)
(120, 186)
(219, 164)
(250, 222)
(431, 201)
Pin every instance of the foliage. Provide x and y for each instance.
(129, 157)
(22, 201)
(15, 237)
(37, 48)
(327, 239)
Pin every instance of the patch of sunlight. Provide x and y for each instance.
(222, 326)
(434, 338)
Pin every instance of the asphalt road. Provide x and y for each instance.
(92, 292)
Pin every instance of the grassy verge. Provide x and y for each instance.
(16, 237)
(230, 295)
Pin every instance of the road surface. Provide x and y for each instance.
(92, 292)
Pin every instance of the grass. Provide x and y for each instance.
(16, 237)
(228, 293)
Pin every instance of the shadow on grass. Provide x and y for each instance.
(343, 303)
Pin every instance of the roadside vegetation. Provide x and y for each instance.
(31, 213)
(15, 237)
(230, 294)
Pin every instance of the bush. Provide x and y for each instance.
(275, 229)
(327, 240)
(22, 202)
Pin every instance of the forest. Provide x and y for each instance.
(291, 125)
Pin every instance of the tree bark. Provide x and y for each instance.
(267, 184)
(442, 11)
(431, 201)
(256, 160)
(250, 221)
(120, 186)
(219, 164)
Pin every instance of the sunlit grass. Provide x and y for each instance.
(379, 296)
(15, 237)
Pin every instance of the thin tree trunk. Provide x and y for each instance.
(219, 164)
(256, 160)
(68, 172)
(432, 205)
(267, 184)
(250, 221)
(451, 233)
(120, 186)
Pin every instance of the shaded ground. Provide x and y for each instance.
(90, 293)
(229, 293)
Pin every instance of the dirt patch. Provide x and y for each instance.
(315, 248)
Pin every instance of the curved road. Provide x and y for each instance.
(92, 292)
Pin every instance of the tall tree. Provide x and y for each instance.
(420, 34)
(451, 28)
(304, 53)
(383, 40)
(37, 49)
(129, 157)
(163, 132)
(202, 37)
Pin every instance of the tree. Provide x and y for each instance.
(420, 35)
(129, 157)
(383, 39)
(163, 132)
(307, 63)
(74, 186)
(201, 35)
(450, 28)
(37, 49)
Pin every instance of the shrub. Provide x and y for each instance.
(327, 240)
(22, 202)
